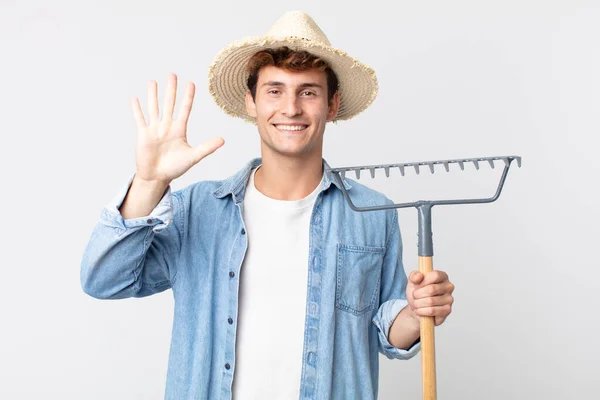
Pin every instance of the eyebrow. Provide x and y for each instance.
(301, 86)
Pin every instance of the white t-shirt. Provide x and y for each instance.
(272, 297)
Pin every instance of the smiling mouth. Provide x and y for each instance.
(290, 128)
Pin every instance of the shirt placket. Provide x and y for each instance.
(238, 253)
(308, 382)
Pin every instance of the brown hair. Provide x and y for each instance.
(293, 60)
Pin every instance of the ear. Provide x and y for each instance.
(250, 105)
(334, 106)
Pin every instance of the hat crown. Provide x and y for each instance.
(298, 24)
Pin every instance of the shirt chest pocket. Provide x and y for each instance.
(358, 277)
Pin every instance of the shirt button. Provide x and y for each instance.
(243, 231)
(231, 274)
(227, 366)
(149, 220)
(230, 321)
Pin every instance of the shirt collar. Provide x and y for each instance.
(236, 184)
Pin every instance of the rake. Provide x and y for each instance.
(425, 244)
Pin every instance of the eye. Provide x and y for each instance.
(308, 93)
(273, 91)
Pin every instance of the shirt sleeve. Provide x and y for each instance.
(393, 294)
(159, 218)
(134, 257)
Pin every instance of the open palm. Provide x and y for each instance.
(163, 153)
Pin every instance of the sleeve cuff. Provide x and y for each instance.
(383, 321)
(160, 217)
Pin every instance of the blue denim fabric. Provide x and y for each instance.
(194, 243)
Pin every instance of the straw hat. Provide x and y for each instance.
(298, 31)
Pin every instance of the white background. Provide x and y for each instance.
(457, 79)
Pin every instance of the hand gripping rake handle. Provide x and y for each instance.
(425, 237)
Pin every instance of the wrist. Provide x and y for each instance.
(405, 329)
(409, 319)
(414, 318)
(152, 185)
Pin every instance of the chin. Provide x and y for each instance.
(291, 152)
(288, 151)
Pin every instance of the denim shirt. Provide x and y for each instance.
(194, 242)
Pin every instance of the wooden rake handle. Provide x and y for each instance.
(427, 342)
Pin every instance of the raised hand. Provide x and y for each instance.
(163, 153)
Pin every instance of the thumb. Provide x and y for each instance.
(207, 148)
(416, 277)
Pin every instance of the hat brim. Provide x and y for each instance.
(228, 77)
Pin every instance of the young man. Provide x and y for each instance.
(281, 290)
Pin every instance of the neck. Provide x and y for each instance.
(288, 178)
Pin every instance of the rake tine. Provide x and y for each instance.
(401, 167)
(416, 168)
(519, 161)
(431, 167)
(491, 163)
(387, 171)
(476, 163)
(446, 166)
(372, 172)
(462, 165)
(506, 161)
(343, 175)
(357, 172)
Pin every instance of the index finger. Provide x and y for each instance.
(186, 106)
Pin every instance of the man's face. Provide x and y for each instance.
(291, 110)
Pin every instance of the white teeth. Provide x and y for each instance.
(290, 127)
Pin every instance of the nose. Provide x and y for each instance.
(291, 106)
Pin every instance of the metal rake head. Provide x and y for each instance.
(340, 174)
(446, 163)
(424, 206)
